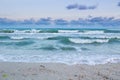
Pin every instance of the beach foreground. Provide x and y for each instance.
(58, 71)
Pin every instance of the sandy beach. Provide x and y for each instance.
(58, 71)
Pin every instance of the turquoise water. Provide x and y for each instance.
(70, 46)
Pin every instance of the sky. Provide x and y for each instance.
(58, 9)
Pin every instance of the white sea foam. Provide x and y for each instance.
(68, 31)
(17, 38)
(113, 60)
(105, 36)
(43, 38)
(27, 31)
(94, 32)
(83, 41)
(67, 59)
(2, 58)
(35, 31)
(19, 31)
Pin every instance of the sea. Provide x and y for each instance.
(60, 45)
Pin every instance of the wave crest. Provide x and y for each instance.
(94, 32)
(68, 31)
(85, 41)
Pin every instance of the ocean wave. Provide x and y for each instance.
(49, 31)
(29, 36)
(65, 40)
(17, 38)
(82, 31)
(26, 37)
(24, 43)
(85, 41)
(6, 31)
(57, 48)
(58, 31)
(68, 31)
(4, 37)
(46, 37)
(56, 37)
(112, 40)
(67, 48)
(94, 32)
(48, 48)
(104, 37)
(16, 43)
(27, 31)
(101, 37)
(112, 31)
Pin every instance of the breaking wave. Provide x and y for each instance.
(94, 32)
(86, 41)
(68, 31)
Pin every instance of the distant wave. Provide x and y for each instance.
(17, 38)
(16, 43)
(27, 31)
(68, 31)
(59, 31)
(88, 41)
(115, 37)
(63, 48)
(94, 32)
(48, 48)
(6, 31)
(111, 31)
(26, 37)
(4, 37)
(66, 39)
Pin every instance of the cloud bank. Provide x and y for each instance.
(45, 21)
(61, 22)
(104, 21)
(81, 7)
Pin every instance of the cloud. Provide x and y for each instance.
(92, 7)
(104, 21)
(73, 6)
(61, 22)
(118, 3)
(81, 7)
(28, 21)
(7, 21)
(44, 21)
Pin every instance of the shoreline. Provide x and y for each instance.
(58, 71)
